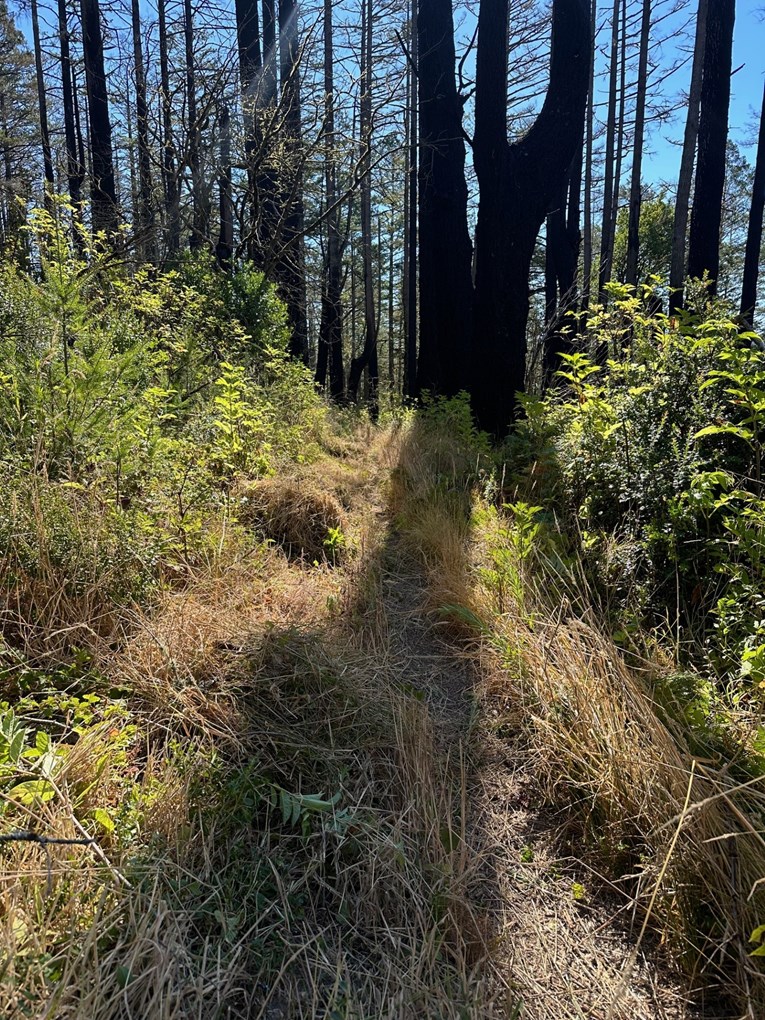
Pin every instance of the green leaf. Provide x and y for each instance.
(16, 745)
(730, 430)
(104, 819)
(123, 976)
(33, 790)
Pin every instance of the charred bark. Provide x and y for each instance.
(329, 362)
(706, 214)
(754, 229)
(103, 194)
(518, 184)
(685, 178)
(445, 251)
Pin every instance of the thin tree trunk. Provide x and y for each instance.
(169, 173)
(754, 231)
(620, 129)
(291, 268)
(74, 168)
(134, 215)
(50, 180)
(391, 351)
(706, 214)
(685, 178)
(606, 233)
(368, 357)
(250, 70)
(198, 225)
(83, 153)
(103, 193)
(636, 197)
(330, 360)
(445, 262)
(587, 255)
(224, 250)
(145, 203)
(354, 335)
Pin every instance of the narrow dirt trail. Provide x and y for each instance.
(559, 941)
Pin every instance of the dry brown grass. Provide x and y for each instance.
(292, 512)
(680, 837)
(258, 675)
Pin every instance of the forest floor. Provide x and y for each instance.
(336, 808)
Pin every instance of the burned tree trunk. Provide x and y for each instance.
(706, 214)
(636, 195)
(518, 183)
(446, 287)
(103, 193)
(754, 230)
(330, 357)
(685, 178)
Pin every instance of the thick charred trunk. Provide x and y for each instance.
(518, 183)
(410, 206)
(706, 214)
(562, 256)
(445, 251)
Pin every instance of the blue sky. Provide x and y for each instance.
(663, 142)
(746, 94)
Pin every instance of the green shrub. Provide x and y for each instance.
(129, 405)
(652, 456)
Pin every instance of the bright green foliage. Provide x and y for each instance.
(657, 447)
(129, 404)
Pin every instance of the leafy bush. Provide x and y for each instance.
(654, 442)
(129, 406)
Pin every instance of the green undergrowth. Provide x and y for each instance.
(128, 412)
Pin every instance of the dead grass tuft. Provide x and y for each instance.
(293, 513)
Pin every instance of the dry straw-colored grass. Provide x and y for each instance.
(293, 512)
(257, 675)
(681, 836)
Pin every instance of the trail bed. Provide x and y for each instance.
(554, 934)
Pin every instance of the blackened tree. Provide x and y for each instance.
(518, 182)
